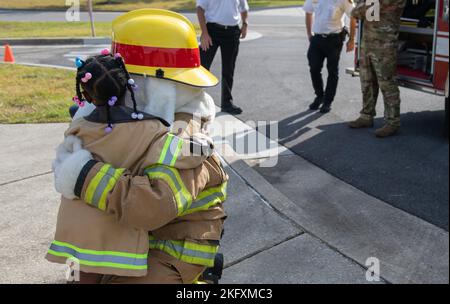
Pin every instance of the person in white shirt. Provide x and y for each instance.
(326, 32)
(219, 21)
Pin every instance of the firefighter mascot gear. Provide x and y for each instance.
(145, 241)
(160, 44)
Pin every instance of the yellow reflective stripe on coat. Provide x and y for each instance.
(208, 198)
(171, 150)
(97, 258)
(185, 251)
(172, 177)
(102, 183)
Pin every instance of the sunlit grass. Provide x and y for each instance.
(52, 29)
(126, 5)
(35, 95)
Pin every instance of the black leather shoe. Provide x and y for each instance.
(316, 104)
(235, 110)
(325, 108)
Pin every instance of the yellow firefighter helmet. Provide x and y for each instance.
(162, 44)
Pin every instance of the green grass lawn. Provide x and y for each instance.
(55, 29)
(52, 29)
(35, 95)
(125, 5)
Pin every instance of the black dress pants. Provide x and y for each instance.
(228, 41)
(322, 48)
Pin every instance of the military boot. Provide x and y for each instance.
(386, 131)
(361, 123)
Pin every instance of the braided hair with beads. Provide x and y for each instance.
(104, 80)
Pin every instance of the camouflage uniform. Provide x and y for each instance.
(378, 59)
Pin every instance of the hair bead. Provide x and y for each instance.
(106, 91)
(87, 77)
(78, 62)
(112, 101)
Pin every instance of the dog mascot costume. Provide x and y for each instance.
(160, 50)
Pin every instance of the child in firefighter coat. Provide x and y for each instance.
(129, 185)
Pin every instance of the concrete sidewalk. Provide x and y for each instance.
(254, 230)
(299, 235)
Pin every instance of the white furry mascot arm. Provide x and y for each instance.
(70, 160)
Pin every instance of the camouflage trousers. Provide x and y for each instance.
(378, 68)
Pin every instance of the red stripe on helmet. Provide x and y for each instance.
(158, 57)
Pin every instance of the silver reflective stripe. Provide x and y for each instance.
(207, 200)
(159, 169)
(102, 186)
(197, 148)
(101, 258)
(181, 250)
(170, 154)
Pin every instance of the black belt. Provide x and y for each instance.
(225, 27)
(343, 32)
(328, 35)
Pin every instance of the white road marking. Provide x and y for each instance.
(281, 12)
(85, 53)
(252, 35)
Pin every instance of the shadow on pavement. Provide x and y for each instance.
(409, 171)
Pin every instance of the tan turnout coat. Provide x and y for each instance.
(106, 240)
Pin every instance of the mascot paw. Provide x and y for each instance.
(205, 143)
(67, 172)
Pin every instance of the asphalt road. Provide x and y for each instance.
(409, 171)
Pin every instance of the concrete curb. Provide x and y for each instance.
(413, 252)
(43, 65)
(392, 272)
(252, 35)
(55, 41)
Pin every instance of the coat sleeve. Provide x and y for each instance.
(136, 201)
(181, 153)
(145, 202)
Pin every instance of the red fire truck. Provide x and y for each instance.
(423, 48)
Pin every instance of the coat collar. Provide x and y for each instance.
(119, 114)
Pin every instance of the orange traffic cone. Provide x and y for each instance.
(9, 56)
